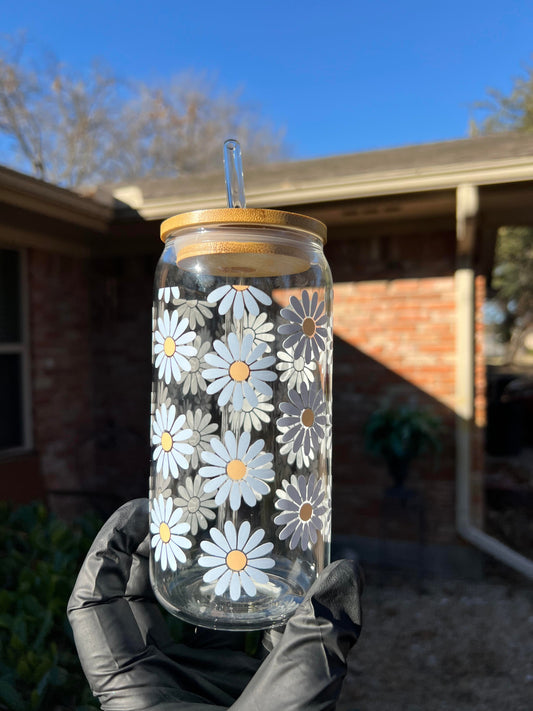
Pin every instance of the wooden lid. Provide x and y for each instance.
(253, 217)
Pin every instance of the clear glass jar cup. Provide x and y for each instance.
(240, 486)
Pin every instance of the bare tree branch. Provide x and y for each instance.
(77, 130)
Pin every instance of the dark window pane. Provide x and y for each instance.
(9, 296)
(11, 428)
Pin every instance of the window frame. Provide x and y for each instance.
(21, 348)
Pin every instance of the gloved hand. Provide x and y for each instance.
(132, 663)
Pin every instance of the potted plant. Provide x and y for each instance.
(399, 435)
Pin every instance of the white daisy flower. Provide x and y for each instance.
(326, 359)
(192, 381)
(202, 430)
(302, 506)
(259, 327)
(168, 531)
(195, 310)
(251, 417)
(294, 371)
(328, 439)
(236, 559)
(197, 504)
(170, 440)
(302, 460)
(306, 331)
(159, 396)
(326, 517)
(167, 293)
(237, 469)
(152, 483)
(154, 318)
(305, 419)
(239, 371)
(241, 297)
(170, 346)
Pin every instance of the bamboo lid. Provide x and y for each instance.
(246, 257)
(244, 216)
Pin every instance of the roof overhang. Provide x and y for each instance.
(36, 196)
(299, 191)
(392, 189)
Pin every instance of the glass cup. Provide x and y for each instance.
(240, 486)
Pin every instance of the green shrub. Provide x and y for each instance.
(41, 556)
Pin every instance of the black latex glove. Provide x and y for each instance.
(132, 663)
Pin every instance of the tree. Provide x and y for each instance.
(512, 279)
(512, 286)
(77, 129)
(512, 112)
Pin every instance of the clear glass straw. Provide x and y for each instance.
(234, 174)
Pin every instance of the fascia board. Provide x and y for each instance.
(293, 192)
(36, 196)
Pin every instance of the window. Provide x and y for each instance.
(14, 425)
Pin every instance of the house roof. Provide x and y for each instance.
(27, 193)
(487, 160)
(389, 187)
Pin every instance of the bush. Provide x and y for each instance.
(41, 556)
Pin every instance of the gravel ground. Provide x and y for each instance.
(456, 646)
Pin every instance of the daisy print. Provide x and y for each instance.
(249, 417)
(236, 559)
(260, 328)
(302, 505)
(304, 420)
(196, 503)
(171, 441)
(239, 296)
(170, 346)
(192, 381)
(168, 293)
(159, 396)
(239, 371)
(294, 371)
(168, 533)
(306, 330)
(238, 470)
(285, 449)
(195, 310)
(326, 517)
(202, 430)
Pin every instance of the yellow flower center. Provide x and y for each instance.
(236, 560)
(166, 441)
(236, 469)
(239, 371)
(308, 417)
(164, 532)
(309, 327)
(240, 287)
(169, 346)
(306, 511)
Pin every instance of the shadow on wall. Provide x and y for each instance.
(360, 386)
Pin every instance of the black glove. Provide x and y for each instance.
(132, 663)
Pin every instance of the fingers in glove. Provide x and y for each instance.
(125, 649)
(306, 669)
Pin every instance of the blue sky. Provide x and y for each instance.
(339, 76)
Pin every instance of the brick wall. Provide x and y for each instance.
(121, 307)
(394, 324)
(90, 325)
(60, 370)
